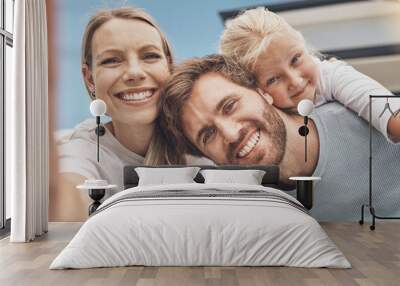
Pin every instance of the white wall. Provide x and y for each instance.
(355, 25)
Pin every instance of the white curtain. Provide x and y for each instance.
(27, 139)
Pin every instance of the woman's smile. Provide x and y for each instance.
(136, 96)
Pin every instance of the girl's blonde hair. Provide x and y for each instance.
(249, 34)
(103, 16)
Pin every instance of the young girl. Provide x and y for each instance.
(265, 44)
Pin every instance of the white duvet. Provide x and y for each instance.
(132, 229)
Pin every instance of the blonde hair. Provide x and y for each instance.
(103, 16)
(162, 150)
(158, 149)
(249, 34)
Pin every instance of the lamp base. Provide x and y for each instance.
(100, 130)
(303, 130)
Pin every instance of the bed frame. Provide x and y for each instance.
(270, 179)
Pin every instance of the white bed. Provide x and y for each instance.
(201, 224)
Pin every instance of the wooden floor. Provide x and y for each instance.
(374, 255)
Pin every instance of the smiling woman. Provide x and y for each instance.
(125, 60)
(126, 69)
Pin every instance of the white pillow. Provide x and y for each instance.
(249, 177)
(162, 176)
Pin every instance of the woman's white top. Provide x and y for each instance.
(77, 151)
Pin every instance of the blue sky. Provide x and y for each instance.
(192, 26)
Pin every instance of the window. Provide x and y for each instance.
(6, 45)
(9, 15)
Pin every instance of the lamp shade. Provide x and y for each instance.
(305, 107)
(98, 107)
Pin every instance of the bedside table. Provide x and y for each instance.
(97, 190)
(304, 190)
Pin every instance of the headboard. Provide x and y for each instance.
(270, 179)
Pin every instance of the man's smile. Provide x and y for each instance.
(248, 144)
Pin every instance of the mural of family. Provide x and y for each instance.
(238, 106)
